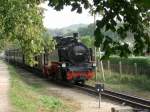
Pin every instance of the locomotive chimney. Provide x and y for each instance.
(75, 35)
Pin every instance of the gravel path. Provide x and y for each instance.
(87, 102)
(4, 88)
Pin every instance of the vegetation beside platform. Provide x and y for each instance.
(33, 97)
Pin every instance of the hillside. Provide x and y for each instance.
(66, 30)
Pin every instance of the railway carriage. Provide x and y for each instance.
(70, 61)
(14, 56)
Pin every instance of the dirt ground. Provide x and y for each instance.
(4, 88)
(83, 101)
(87, 102)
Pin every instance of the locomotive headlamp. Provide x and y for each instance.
(94, 64)
(63, 65)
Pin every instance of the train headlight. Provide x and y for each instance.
(63, 65)
(94, 64)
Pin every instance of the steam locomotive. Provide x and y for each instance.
(70, 61)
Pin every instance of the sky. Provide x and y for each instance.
(58, 19)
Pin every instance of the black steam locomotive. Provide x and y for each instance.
(70, 61)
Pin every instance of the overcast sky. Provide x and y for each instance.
(58, 19)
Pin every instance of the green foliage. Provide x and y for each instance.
(86, 31)
(145, 3)
(130, 15)
(133, 15)
(88, 41)
(2, 44)
(21, 20)
(49, 42)
(76, 4)
(51, 102)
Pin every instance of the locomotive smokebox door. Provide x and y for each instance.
(99, 87)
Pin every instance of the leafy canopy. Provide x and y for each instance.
(118, 16)
(21, 21)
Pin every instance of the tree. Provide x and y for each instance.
(133, 15)
(48, 43)
(21, 20)
(87, 40)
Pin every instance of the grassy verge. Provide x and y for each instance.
(32, 98)
(135, 85)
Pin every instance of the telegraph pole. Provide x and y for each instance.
(95, 47)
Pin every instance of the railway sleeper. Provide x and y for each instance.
(127, 109)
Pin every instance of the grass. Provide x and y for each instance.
(32, 98)
(138, 85)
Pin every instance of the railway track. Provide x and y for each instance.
(135, 102)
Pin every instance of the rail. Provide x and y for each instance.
(133, 101)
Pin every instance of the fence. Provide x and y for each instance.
(123, 68)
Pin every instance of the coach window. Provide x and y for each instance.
(54, 56)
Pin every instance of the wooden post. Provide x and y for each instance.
(96, 66)
(99, 100)
(109, 69)
(120, 67)
(94, 14)
(135, 68)
(102, 68)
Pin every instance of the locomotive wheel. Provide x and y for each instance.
(44, 74)
(72, 82)
(59, 75)
(64, 75)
